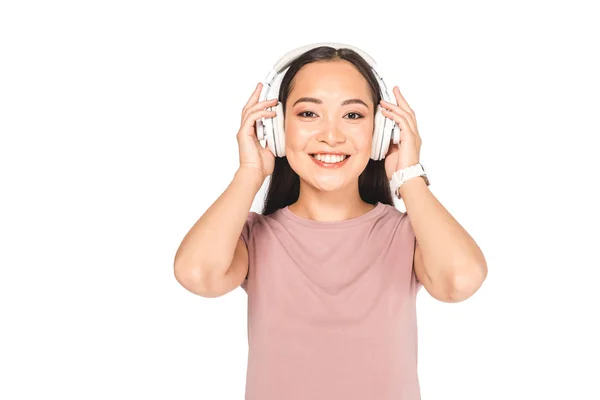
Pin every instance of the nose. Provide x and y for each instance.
(331, 135)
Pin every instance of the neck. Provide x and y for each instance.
(337, 205)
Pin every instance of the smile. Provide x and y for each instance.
(330, 160)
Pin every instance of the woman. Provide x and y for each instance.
(330, 266)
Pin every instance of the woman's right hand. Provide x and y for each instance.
(252, 153)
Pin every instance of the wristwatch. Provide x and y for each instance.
(401, 176)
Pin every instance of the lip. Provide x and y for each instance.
(336, 153)
(330, 166)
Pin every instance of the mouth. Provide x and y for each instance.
(330, 160)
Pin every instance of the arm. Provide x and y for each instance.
(212, 259)
(447, 261)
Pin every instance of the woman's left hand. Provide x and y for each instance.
(408, 151)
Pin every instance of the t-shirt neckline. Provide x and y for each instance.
(372, 213)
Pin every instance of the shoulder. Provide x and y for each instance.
(256, 218)
(392, 209)
(393, 213)
(399, 220)
(257, 222)
(248, 227)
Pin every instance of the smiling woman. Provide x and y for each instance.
(331, 268)
(328, 95)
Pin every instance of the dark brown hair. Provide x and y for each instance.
(284, 185)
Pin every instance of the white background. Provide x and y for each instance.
(118, 123)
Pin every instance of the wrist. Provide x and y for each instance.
(403, 176)
(405, 165)
(411, 184)
(252, 175)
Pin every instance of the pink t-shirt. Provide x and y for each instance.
(331, 307)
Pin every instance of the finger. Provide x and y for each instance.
(262, 105)
(253, 117)
(402, 101)
(256, 93)
(254, 97)
(401, 121)
(395, 109)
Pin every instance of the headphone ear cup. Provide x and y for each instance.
(260, 129)
(279, 131)
(386, 137)
(267, 132)
(376, 148)
(395, 133)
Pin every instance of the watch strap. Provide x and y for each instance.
(401, 176)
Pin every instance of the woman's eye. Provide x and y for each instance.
(310, 114)
(356, 114)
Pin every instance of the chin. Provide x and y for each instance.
(331, 179)
(328, 184)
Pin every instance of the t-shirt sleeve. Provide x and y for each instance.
(246, 236)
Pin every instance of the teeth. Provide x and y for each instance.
(329, 158)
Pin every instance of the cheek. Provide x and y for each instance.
(365, 140)
(362, 139)
(297, 139)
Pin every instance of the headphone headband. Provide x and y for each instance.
(272, 129)
(284, 62)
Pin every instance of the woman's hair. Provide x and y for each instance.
(284, 185)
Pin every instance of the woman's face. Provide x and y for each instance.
(329, 110)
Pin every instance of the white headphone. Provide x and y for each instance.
(272, 129)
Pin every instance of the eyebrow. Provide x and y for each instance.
(317, 101)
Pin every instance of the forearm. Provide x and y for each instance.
(209, 246)
(450, 255)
